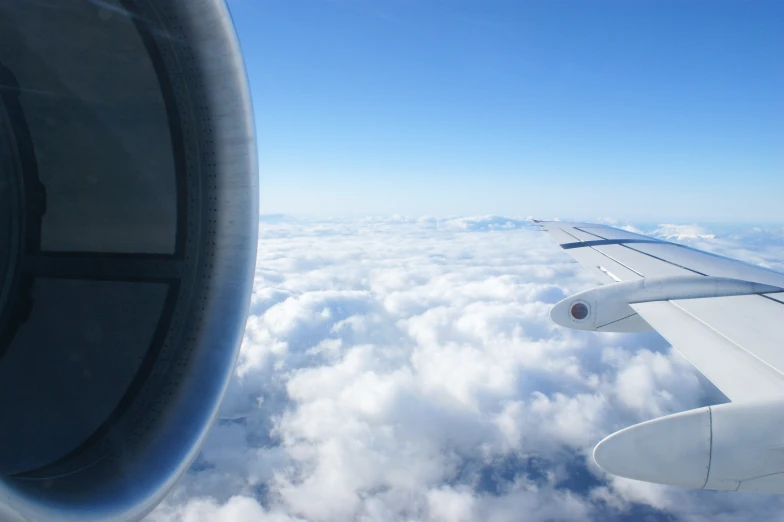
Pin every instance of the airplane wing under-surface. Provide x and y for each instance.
(725, 317)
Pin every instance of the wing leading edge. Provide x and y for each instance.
(726, 324)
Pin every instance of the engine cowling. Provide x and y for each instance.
(128, 231)
(734, 446)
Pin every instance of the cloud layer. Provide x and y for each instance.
(398, 369)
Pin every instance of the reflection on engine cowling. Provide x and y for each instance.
(128, 229)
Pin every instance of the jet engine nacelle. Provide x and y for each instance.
(128, 231)
(735, 446)
(607, 308)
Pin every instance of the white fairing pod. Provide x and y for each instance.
(673, 450)
(128, 230)
(735, 446)
(606, 308)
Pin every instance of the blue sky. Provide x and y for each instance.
(633, 110)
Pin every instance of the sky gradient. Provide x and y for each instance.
(632, 110)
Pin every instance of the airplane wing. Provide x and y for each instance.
(724, 316)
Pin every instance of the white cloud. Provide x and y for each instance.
(236, 509)
(681, 232)
(407, 369)
(449, 505)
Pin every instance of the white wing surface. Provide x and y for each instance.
(726, 317)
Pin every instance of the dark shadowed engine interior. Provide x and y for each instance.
(128, 215)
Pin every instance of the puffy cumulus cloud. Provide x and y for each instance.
(681, 232)
(407, 369)
(236, 509)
